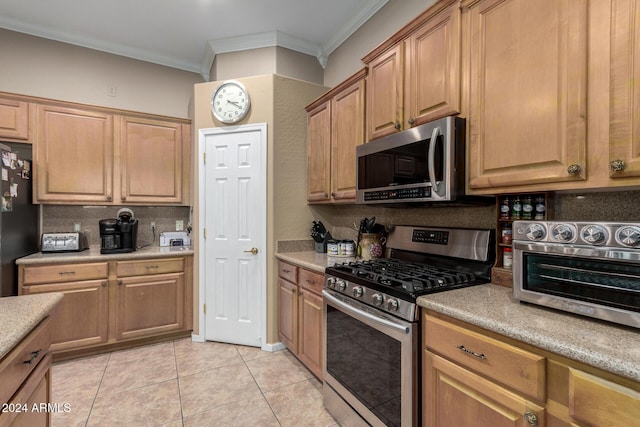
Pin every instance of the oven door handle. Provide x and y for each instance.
(388, 323)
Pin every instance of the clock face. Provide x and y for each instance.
(230, 102)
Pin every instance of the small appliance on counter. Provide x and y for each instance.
(119, 235)
(64, 242)
(175, 238)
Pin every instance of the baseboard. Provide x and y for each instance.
(197, 338)
(273, 346)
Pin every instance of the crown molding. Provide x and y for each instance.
(356, 22)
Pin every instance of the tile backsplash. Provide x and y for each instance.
(62, 218)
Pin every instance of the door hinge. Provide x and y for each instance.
(204, 231)
(204, 158)
(204, 308)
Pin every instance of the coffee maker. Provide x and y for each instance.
(119, 235)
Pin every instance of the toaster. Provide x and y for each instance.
(64, 242)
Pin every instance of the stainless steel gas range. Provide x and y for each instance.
(372, 328)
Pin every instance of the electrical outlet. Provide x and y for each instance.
(76, 226)
(179, 225)
(153, 226)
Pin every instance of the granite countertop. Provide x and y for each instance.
(19, 315)
(312, 260)
(93, 254)
(601, 344)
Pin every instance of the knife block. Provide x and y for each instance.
(322, 246)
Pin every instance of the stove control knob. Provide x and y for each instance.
(535, 232)
(628, 235)
(594, 234)
(341, 285)
(357, 291)
(377, 300)
(563, 233)
(392, 304)
(331, 283)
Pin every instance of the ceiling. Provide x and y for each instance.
(187, 34)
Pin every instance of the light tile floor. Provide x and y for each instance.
(182, 383)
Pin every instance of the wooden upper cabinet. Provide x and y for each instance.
(74, 156)
(151, 161)
(14, 120)
(319, 153)
(385, 85)
(414, 77)
(624, 139)
(347, 132)
(526, 69)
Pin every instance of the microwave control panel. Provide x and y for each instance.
(400, 193)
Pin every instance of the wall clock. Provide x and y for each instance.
(230, 102)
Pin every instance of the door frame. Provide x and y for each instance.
(262, 263)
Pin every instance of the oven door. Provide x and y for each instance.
(371, 363)
(603, 283)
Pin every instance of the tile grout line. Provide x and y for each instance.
(259, 388)
(175, 356)
(98, 388)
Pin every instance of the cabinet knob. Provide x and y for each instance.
(326, 195)
(530, 418)
(616, 165)
(574, 170)
(119, 282)
(411, 121)
(104, 284)
(397, 126)
(108, 198)
(123, 198)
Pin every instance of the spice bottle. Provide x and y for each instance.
(540, 208)
(505, 209)
(527, 208)
(516, 208)
(507, 258)
(507, 234)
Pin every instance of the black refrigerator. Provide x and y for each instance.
(19, 234)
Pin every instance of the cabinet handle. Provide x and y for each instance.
(150, 267)
(66, 273)
(104, 284)
(333, 195)
(34, 356)
(286, 271)
(411, 121)
(311, 282)
(397, 125)
(574, 170)
(471, 353)
(326, 195)
(617, 165)
(108, 198)
(123, 198)
(530, 418)
(119, 282)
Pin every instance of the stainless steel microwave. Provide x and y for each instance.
(421, 164)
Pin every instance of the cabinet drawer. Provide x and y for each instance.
(509, 365)
(311, 281)
(288, 271)
(65, 273)
(149, 266)
(19, 363)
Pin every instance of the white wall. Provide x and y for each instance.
(346, 59)
(44, 68)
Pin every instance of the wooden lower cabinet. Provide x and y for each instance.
(476, 377)
(300, 314)
(136, 299)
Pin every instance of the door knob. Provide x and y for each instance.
(253, 251)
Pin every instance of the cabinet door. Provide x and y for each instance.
(310, 331)
(319, 153)
(82, 317)
(453, 396)
(624, 127)
(149, 305)
(74, 156)
(385, 84)
(347, 132)
(433, 62)
(14, 119)
(526, 72)
(151, 154)
(288, 314)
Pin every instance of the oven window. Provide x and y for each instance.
(613, 283)
(367, 363)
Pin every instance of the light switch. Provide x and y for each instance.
(179, 225)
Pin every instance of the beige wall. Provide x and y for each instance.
(268, 60)
(40, 67)
(278, 101)
(346, 59)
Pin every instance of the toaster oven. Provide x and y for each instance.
(64, 242)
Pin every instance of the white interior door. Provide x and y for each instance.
(233, 233)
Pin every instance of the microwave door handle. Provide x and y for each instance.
(431, 159)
